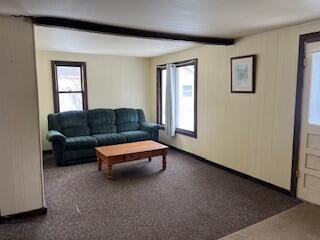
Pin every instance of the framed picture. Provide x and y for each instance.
(243, 71)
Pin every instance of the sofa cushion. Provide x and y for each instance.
(109, 139)
(81, 142)
(127, 119)
(74, 123)
(76, 132)
(102, 121)
(137, 135)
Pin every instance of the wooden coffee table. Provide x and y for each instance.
(127, 152)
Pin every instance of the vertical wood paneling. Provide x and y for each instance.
(20, 166)
(251, 133)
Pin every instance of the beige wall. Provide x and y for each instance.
(251, 133)
(20, 155)
(113, 82)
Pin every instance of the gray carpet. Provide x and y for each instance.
(190, 200)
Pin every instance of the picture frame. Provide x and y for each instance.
(243, 71)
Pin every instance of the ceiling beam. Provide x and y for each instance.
(124, 31)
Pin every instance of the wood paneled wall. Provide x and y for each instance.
(20, 154)
(250, 133)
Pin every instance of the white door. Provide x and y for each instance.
(309, 159)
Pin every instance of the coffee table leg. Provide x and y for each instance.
(150, 159)
(164, 162)
(109, 171)
(99, 163)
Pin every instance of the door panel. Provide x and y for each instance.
(309, 158)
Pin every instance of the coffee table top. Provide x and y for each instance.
(129, 148)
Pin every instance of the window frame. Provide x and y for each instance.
(191, 62)
(56, 92)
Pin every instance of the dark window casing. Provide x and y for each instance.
(160, 68)
(82, 65)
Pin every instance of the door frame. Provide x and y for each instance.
(303, 40)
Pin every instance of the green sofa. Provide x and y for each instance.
(75, 134)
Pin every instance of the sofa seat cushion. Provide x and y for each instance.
(137, 135)
(81, 142)
(109, 138)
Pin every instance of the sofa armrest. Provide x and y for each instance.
(54, 135)
(149, 127)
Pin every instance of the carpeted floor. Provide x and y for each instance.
(190, 200)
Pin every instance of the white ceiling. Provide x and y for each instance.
(66, 40)
(213, 18)
(216, 18)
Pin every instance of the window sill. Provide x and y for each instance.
(182, 132)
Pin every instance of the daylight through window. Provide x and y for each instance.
(69, 82)
(186, 96)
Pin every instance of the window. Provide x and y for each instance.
(69, 86)
(186, 96)
(314, 103)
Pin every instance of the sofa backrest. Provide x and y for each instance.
(96, 121)
(102, 121)
(127, 119)
(141, 116)
(70, 124)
